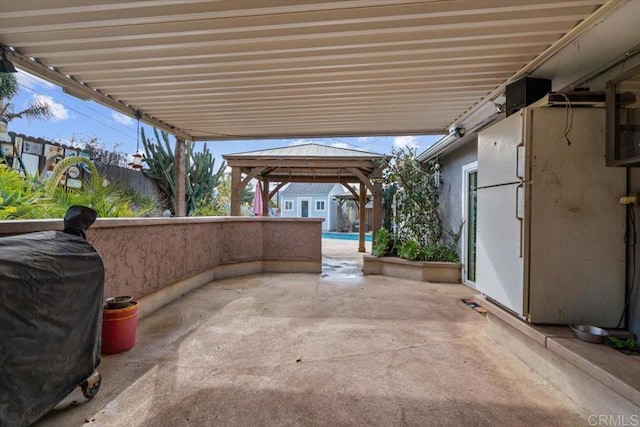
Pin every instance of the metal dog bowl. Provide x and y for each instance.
(590, 333)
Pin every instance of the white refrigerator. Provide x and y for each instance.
(550, 233)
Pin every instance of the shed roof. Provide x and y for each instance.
(296, 188)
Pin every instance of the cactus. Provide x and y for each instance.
(201, 179)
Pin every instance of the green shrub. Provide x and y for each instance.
(20, 198)
(144, 205)
(26, 198)
(440, 253)
(383, 241)
(207, 207)
(107, 199)
(411, 250)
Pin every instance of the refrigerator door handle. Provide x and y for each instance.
(520, 156)
(520, 213)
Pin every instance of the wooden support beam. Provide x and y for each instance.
(254, 172)
(278, 187)
(268, 171)
(302, 178)
(363, 178)
(352, 191)
(363, 217)
(180, 179)
(236, 191)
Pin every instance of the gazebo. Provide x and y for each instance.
(311, 163)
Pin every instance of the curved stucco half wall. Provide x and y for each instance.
(159, 259)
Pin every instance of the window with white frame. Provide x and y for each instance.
(320, 205)
(288, 205)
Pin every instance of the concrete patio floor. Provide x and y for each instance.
(318, 350)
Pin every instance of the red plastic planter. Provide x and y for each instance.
(119, 329)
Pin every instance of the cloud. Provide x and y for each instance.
(405, 141)
(364, 138)
(341, 145)
(32, 82)
(121, 118)
(349, 147)
(59, 112)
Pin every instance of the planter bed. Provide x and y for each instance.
(423, 271)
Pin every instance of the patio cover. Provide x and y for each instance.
(252, 69)
(310, 163)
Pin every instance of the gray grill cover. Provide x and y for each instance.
(51, 300)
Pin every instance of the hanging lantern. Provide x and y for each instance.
(137, 160)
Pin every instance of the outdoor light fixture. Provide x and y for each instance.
(137, 160)
(460, 131)
(137, 157)
(6, 66)
(436, 175)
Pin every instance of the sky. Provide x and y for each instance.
(74, 119)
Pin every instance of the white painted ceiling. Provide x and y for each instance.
(243, 69)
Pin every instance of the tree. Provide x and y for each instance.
(220, 205)
(201, 179)
(8, 90)
(420, 234)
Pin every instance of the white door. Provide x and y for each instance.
(469, 222)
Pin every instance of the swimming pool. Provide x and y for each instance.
(345, 236)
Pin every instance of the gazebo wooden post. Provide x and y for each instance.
(265, 197)
(180, 171)
(362, 215)
(377, 202)
(235, 191)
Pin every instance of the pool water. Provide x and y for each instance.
(345, 236)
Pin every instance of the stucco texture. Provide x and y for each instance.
(142, 256)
